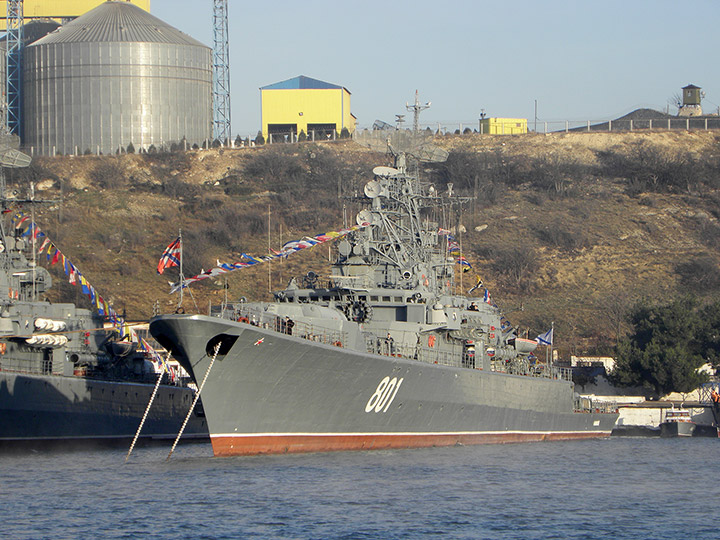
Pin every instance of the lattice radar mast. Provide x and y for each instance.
(221, 72)
(13, 76)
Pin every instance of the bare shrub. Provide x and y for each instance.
(35, 172)
(235, 188)
(647, 167)
(464, 170)
(108, 175)
(130, 267)
(554, 175)
(481, 175)
(699, 274)
(240, 222)
(175, 188)
(648, 201)
(310, 220)
(710, 234)
(516, 264)
(558, 235)
(274, 164)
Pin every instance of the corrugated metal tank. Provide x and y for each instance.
(115, 76)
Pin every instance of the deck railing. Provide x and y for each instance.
(458, 357)
(283, 325)
(587, 404)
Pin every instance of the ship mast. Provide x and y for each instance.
(182, 277)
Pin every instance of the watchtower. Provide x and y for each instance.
(691, 97)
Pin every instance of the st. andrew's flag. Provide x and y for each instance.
(171, 256)
(546, 338)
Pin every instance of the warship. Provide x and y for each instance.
(383, 353)
(64, 376)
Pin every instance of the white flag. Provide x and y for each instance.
(546, 338)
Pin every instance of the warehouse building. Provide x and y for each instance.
(503, 126)
(60, 11)
(302, 104)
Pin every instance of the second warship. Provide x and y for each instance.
(65, 377)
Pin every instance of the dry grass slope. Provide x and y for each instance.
(572, 228)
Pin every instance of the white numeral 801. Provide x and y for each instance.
(384, 395)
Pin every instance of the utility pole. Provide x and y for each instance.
(221, 73)
(416, 108)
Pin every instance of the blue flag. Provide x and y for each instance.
(546, 338)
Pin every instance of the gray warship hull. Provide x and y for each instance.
(38, 408)
(268, 392)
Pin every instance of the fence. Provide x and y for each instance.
(702, 123)
(698, 123)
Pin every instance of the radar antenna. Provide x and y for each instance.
(403, 144)
(10, 158)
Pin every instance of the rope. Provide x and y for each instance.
(147, 409)
(197, 397)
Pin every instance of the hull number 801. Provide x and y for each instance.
(384, 395)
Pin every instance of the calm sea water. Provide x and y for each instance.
(615, 488)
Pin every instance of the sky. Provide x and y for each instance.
(568, 60)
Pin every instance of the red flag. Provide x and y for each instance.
(171, 256)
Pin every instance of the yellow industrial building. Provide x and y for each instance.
(302, 104)
(59, 10)
(503, 126)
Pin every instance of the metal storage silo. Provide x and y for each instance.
(115, 76)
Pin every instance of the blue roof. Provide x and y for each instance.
(301, 83)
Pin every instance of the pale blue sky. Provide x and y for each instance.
(581, 60)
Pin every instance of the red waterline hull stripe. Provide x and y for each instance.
(245, 445)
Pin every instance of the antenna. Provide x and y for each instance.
(416, 108)
(406, 143)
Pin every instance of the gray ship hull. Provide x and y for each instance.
(51, 408)
(269, 392)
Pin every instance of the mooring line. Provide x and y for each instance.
(147, 409)
(197, 397)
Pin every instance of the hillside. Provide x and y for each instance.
(570, 228)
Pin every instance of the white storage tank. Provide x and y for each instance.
(115, 76)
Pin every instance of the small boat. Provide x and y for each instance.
(523, 345)
(678, 423)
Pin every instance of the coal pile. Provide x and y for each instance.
(652, 119)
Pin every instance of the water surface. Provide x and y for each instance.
(618, 488)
